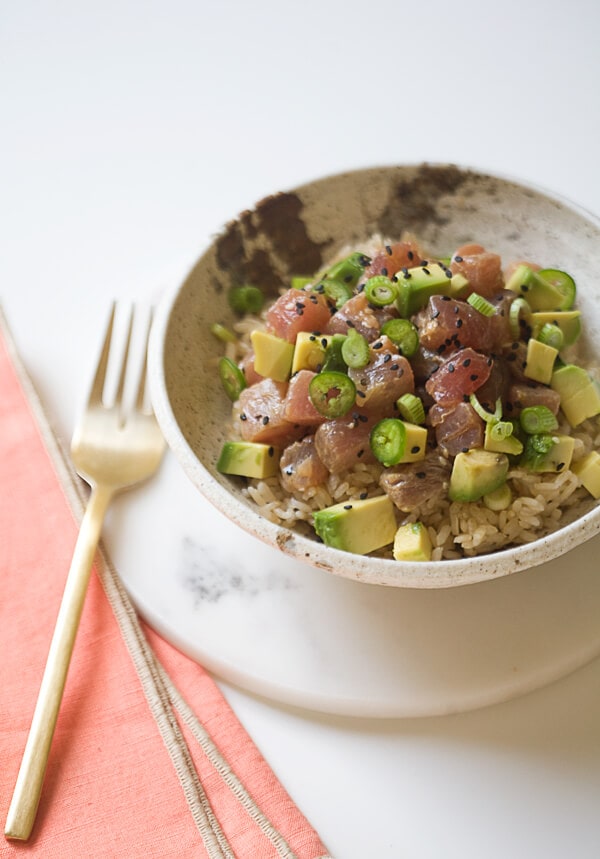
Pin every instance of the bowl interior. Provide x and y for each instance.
(295, 233)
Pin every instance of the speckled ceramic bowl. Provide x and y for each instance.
(294, 232)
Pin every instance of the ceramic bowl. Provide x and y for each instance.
(297, 231)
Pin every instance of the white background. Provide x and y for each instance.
(130, 132)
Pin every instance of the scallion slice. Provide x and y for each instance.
(481, 304)
(232, 378)
(381, 291)
(332, 393)
(501, 430)
(404, 334)
(537, 419)
(483, 413)
(411, 408)
(551, 335)
(246, 299)
(388, 440)
(519, 313)
(222, 333)
(355, 350)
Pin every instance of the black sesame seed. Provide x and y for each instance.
(410, 255)
(466, 398)
(560, 466)
(265, 420)
(324, 342)
(378, 345)
(441, 349)
(361, 394)
(363, 495)
(271, 451)
(435, 314)
(446, 298)
(387, 358)
(347, 506)
(465, 450)
(360, 453)
(466, 362)
(458, 259)
(421, 475)
(350, 323)
(426, 270)
(363, 418)
(473, 377)
(384, 272)
(289, 471)
(388, 250)
(396, 367)
(243, 417)
(459, 323)
(451, 368)
(415, 449)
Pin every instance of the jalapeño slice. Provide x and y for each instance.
(332, 393)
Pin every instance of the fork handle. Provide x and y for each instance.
(28, 787)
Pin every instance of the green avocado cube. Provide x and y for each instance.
(357, 526)
(539, 293)
(418, 284)
(273, 356)
(248, 459)
(412, 543)
(588, 471)
(579, 397)
(476, 473)
(539, 362)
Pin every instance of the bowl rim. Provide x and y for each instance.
(368, 569)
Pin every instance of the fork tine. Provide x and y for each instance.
(95, 395)
(141, 391)
(123, 373)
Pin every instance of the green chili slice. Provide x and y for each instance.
(381, 290)
(246, 299)
(332, 393)
(232, 378)
(355, 350)
(388, 440)
(538, 419)
(335, 290)
(404, 334)
(561, 281)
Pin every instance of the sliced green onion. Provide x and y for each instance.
(381, 291)
(411, 408)
(404, 334)
(336, 290)
(232, 378)
(551, 335)
(246, 299)
(334, 360)
(483, 413)
(561, 281)
(501, 430)
(519, 311)
(355, 350)
(537, 448)
(332, 393)
(222, 333)
(388, 440)
(481, 304)
(537, 419)
(350, 269)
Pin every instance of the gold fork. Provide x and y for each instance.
(112, 451)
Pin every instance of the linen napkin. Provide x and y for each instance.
(148, 758)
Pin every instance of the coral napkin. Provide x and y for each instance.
(148, 759)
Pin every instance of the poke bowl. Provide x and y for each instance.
(391, 374)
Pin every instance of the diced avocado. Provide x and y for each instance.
(588, 471)
(569, 322)
(248, 459)
(272, 356)
(476, 473)
(510, 445)
(548, 452)
(499, 499)
(458, 285)
(539, 362)
(539, 293)
(412, 543)
(579, 397)
(309, 352)
(357, 526)
(415, 444)
(419, 284)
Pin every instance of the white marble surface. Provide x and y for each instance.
(130, 133)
